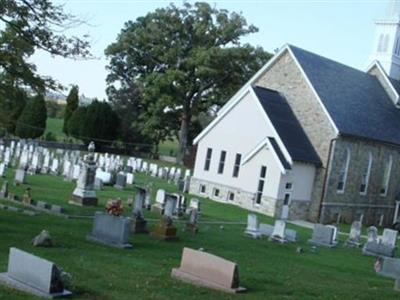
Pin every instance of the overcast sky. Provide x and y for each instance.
(339, 29)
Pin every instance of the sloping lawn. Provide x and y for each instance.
(268, 270)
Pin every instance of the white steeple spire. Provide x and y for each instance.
(387, 41)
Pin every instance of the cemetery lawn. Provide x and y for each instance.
(268, 270)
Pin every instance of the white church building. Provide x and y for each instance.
(311, 134)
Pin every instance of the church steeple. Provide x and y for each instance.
(387, 41)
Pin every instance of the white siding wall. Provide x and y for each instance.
(302, 178)
(240, 131)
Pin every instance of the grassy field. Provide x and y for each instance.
(268, 270)
(55, 126)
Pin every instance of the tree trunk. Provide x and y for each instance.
(183, 138)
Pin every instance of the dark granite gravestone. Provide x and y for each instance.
(110, 230)
(120, 182)
(139, 224)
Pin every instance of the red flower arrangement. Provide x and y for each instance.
(114, 207)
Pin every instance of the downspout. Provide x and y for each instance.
(325, 184)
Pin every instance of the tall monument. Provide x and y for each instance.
(386, 48)
(84, 193)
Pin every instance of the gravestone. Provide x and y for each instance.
(120, 181)
(4, 190)
(323, 236)
(207, 270)
(194, 204)
(33, 275)
(57, 209)
(253, 226)
(191, 225)
(180, 206)
(20, 177)
(110, 230)
(165, 229)
(278, 235)
(27, 197)
(130, 178)
(139, 224)
(2, 169)
(389, 237)
(43, 239)
(84, 193)
(389, 267)
(372, 234)
(98, 184)
(380, 247)
(158, 207)
(355, 234)
(266, 229)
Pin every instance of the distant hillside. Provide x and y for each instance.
(61, 98)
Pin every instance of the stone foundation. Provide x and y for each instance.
(268, 206)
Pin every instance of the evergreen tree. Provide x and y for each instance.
(72, 105)
(96, 122)
(32, 122)
(75, 123)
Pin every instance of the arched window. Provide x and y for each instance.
(380, 43)
(343, 172)
(386, 176)
(365, 176)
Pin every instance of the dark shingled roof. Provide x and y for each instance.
(396, 84)
(287, 127)
(278, 151)
(355, 100)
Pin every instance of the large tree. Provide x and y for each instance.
(72, 105)
(26, 26)
(32, 122)
(184, 60)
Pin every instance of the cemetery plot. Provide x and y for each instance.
(267, 269)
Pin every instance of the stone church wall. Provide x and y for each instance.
(351, 204)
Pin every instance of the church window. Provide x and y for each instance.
(343, 172)
(221, 162)
(365, 176)
(380, 43)
(386, 176)
(385, 43)
(208, 159)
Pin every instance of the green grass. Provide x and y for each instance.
(268, 270)
(169, 148)
(55, 126)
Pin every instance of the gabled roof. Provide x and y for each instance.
(288, 128)
(355, 100)
(395, 84)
